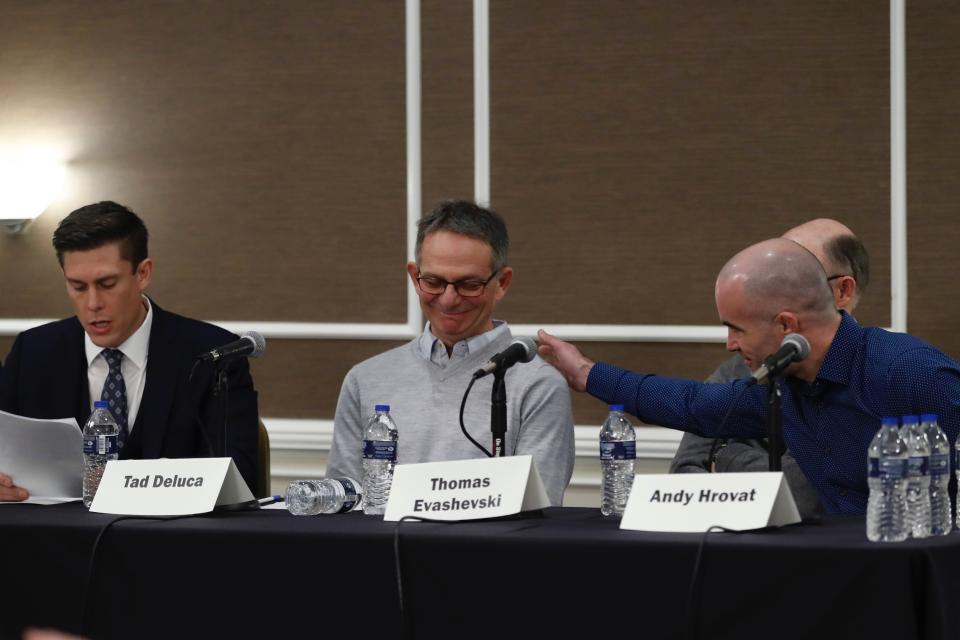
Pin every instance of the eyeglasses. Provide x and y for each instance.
(465, 288)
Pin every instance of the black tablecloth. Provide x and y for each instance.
(560, 573)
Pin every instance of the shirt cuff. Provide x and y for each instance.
(614, 385)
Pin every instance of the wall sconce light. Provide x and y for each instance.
(29, 182)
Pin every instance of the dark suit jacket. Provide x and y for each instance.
(45, 376)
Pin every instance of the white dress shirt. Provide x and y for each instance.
(133, 366)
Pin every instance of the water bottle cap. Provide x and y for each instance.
(101, 404)
(616, 407)
(928, 417)
(910, 419)
(889, 421)
(381, 407)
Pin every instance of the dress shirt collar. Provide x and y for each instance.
(133, 348)
(430, 346)
(843, 352)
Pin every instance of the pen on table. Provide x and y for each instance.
(265, 501)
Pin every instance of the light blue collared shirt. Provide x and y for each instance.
(432, 349)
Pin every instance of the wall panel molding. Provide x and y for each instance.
(581, 332)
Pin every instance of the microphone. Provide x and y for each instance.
(251, 344)
(520, 350)
(794, 348)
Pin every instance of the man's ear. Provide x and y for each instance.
(846, 293)
(787, 322)
(144, 273)
(412, 271)
(504, 278)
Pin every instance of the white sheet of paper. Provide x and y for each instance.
(45, 457)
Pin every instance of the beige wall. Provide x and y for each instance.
(634, 147)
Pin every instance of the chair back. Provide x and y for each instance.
(262, 490)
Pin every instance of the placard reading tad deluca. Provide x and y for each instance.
(697, 501)
(466, 489)
(168, 487)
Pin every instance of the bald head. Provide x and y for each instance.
(814, 236)
(842, 255)
(777, 275)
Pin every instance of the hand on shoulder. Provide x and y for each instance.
(566, 358)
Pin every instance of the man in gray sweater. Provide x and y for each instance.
(847, 264)
(460, 274)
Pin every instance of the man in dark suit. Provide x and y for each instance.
(119, 337)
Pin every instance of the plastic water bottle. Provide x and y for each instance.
(887, 461)
(618, 454)
(100, 445)
(332, 495)
(379, 459)
(918, 477)
(941, 518)
(956, 470)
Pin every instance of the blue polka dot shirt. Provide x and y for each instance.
(868, 373)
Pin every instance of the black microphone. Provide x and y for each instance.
(251, 344)
(520, 350)
(794, 348)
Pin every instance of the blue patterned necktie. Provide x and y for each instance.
(115, 391)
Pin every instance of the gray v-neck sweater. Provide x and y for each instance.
(425, 401)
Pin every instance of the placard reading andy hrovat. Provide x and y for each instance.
(466, 489)
(167, 487)
(690, 502)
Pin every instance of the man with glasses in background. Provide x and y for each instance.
(460, 274)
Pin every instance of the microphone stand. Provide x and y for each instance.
(498, 413)
(775, 437)
(221, 387)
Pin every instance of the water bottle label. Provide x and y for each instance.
(918, 466)
(351, 495)
(939, 464)
(618, 450)
(100, 445)
(887, 468)
(380, 450)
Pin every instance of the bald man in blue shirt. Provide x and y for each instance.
(832, 401)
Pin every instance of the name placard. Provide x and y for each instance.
(466, 489)
(168, 487)
(690, 502)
